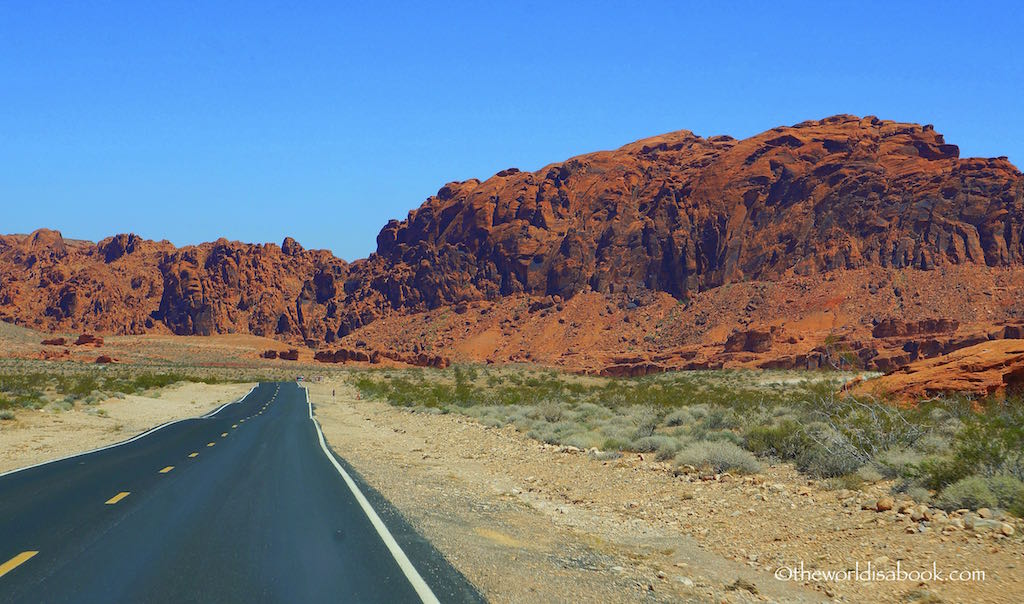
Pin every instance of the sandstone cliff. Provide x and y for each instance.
(793, 210)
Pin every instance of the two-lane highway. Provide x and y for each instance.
(246, 504)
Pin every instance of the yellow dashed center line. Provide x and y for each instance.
(234, 426)
(167, 469)
(15, 562)
(193, 454)
(118, 497)
(210, 444)
(223, 434)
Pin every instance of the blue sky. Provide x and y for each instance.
(256, 120)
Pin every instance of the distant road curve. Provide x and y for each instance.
(244, 504)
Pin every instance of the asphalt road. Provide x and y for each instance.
(245, 505)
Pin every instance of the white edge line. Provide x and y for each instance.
(130, 440)
(422, 589)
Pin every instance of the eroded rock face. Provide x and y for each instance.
(227, 286)
(990, 368)
(52, 284)
(751, 340)
(676, 214)
(87, 339)
(344, 355)
(888, 328)
(680, 213)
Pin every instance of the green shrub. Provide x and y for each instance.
(868, 473)
(719, 456)
(664, 446)
(898, 462)
(829, 454)
(550, 411)
(6, 414)
(824, 463)
(723, 435)
(590, 411)
(919, 494)
(647, 423)
(1009, 492)
(785, 440)
(972, 492)
(935, 444)
(682, 417)
(992, 442)
(616, 444)
(719, 419)
(584, 440)
(850, 482)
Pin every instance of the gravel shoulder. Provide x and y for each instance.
(526, 521)
(35, 436)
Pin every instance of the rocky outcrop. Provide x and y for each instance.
(637, 369)
(680, 213)
(87, 339)
(52, 284)
(750, 340)
(985, 369)
(675, 215)
(344, 355)
(260, 289)
(888, 328)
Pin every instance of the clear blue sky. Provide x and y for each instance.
(257, 120)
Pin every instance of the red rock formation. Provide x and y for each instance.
(54, 342)
(888, 328)
(343, 355)
(681, 213)
(676, 214)
(269, 354)
(983, 369)
(89, 340)
(289, 355)
(638, 369)
(751, 340)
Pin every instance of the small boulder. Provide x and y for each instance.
(87, 339)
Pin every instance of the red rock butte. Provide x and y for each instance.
(843, 240)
